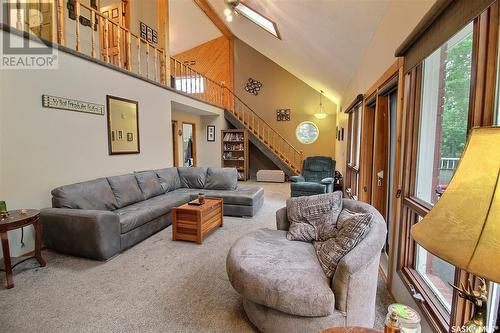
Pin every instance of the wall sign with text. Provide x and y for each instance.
(71, 105)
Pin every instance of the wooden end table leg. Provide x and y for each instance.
(6, 258)
(38, 243)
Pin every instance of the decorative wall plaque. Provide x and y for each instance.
(283, 115)
(68, 104)
(253, 86)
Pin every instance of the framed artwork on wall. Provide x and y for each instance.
(211, 133)
(283, 115)
(123, 117)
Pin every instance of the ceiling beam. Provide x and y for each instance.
(212, 15)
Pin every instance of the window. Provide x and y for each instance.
(354, 149)
(258, 19)
(307, 132)
(190, 85)
(444, 114)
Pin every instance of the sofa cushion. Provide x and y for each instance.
(140, 213)
(125, 189)
(149, 183)
(221, 179)
(266, 268)
(93, 194)
(242, 196)
(169, 179)
(192, 177)
(353, 228)
(313, 217)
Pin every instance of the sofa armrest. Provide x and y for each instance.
(282, 222)
(328, 180)
(297, 179)
(93, 234)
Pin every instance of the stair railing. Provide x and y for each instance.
(264, 131)
(190, 81)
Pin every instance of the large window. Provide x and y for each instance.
(436, 133)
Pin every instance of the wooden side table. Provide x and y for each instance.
(17, 220)
(193, 223)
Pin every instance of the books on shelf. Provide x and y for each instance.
(234, 146)
(234, 136)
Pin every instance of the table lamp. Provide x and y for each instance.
(463, 228)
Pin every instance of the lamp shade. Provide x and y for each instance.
(463, 228)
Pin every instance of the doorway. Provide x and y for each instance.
(113, 43)
(188, 144)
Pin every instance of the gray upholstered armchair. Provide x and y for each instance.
(317, 177)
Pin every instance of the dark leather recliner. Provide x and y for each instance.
(317, 177)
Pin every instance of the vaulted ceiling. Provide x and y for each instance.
(189, 26)
(323, 41)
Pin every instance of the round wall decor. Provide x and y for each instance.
(307, 132)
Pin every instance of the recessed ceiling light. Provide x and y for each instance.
(258, 19)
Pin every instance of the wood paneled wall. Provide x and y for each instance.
(213, 59)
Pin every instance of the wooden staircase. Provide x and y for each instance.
(240, 115)
(272, 144)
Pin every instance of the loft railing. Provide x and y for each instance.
(97, 36)
(265, 132)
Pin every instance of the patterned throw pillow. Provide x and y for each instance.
(353, 227)
(313, 217)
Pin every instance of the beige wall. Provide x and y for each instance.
(44, 148)
(208, 153)
(282, 90)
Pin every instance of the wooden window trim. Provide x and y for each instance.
(481, 113)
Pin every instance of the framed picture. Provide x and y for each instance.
(211, 133)
(122, 113)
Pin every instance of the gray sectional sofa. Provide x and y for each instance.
(99, 218)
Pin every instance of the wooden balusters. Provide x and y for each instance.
(147, 60)
(77, 23)
(129, 51)
(139, 56)
(119, 45)
(60, 21)
(155, 67)
(106, 38)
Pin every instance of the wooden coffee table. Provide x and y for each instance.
(193, 223)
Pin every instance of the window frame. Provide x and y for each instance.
(482, 99)
(354, 125)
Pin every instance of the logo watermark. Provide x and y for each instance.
(482, 329)
(34, 18)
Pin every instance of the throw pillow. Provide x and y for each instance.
(313, 217)
(354, 227)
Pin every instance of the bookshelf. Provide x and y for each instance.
(235, 151)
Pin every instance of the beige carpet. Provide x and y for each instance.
(157, 286)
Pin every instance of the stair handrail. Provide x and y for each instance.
(228, 107)
(265, 122)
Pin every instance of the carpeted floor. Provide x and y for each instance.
(156, 286)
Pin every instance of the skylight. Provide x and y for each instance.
(258, 19)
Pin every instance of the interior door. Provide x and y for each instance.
(381, 148)
(115, 49)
